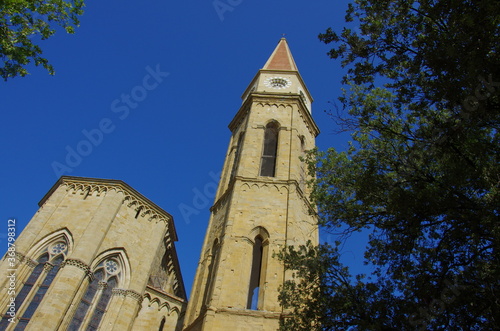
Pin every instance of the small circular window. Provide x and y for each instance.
(278, 82)
(58, 248)
(111, 267)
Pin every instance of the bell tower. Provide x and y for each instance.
(261, 204)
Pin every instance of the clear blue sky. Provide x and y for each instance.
(168, 143)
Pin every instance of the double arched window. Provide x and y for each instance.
(38, 282)
(270, 150)
(93, 305)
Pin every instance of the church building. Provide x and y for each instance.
(98, 255)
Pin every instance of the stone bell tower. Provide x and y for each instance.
(261, 204)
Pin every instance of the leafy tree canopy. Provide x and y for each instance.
(422, 174)
(21, 21)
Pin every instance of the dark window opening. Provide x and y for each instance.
(269, 153)
(86, 301)
(35, 302)
(253, 293)
(94, 303)
(162, 324)
(102, 304)
(37, 284)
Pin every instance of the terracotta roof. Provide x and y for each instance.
(281, 58)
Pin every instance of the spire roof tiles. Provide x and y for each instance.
(281, 58)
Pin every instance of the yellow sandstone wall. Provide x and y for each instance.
(97, 219)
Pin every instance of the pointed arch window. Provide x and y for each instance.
(255, 274)
(94, 302)
(162, 324)
(38, 283)
(270, 150)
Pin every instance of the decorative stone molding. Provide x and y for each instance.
(80, 265)
(240, 116)
(162, 296)
(221, 202)
(48, 266)
(89, 186)
(22, 258)
(128, 293)
(269, 99)
(144, 209)
(134, 295)
(119, 291)
(18, 256)
(248, 312)
(30, 262)
(273, 103)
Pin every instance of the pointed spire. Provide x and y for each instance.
(281, 59)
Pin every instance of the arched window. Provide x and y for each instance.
(270, 150)
(94, 302)
(255, 274)
(162, 324)
(38, 283)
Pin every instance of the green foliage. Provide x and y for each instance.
(422, 174)
(322, 295)
(23, 21)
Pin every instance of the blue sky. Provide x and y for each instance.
(170, 142)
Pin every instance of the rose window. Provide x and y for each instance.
(58, 248)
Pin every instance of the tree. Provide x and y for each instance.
(421, 175)
(23, 21)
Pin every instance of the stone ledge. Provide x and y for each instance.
(246, 312)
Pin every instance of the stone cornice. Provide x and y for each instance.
(128, 293)
(23, 258)
(246, 312)
(80, 265)
(164, 295)
(263, 181)
(134, 199)
(275, 98)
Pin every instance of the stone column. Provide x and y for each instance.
(131, 303)
(60, 294)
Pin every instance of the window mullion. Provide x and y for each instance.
(34, 289)
(90, 312)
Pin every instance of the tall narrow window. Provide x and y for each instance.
(94, 302)
(38, 283)
(162, 324)
(255, 279)
(270, 150)
(302, 182)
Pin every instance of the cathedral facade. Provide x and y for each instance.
(98, 255)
